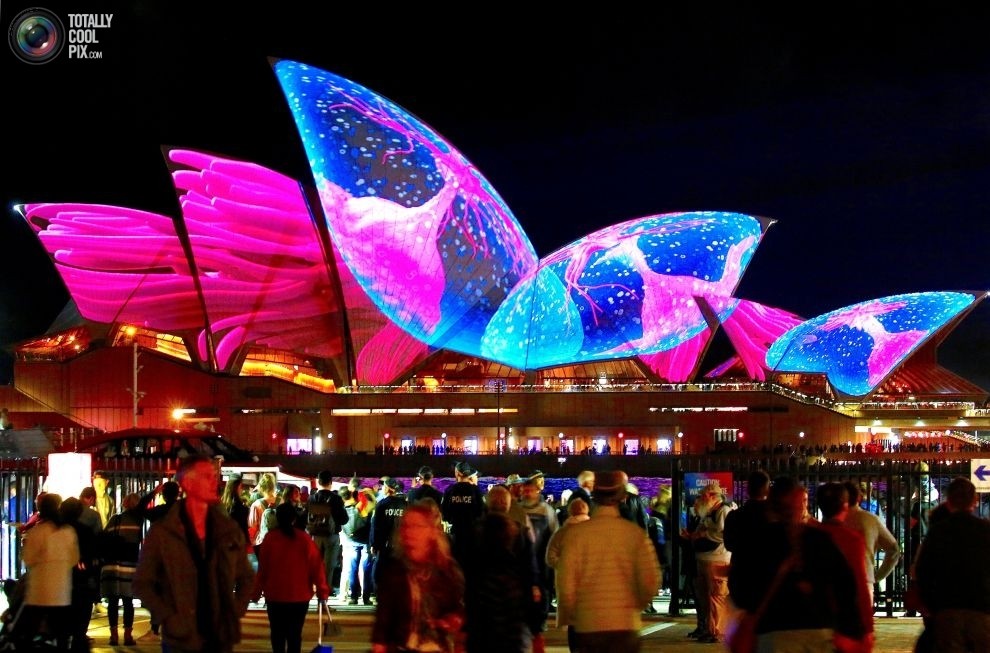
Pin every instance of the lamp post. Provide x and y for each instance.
(498, 410)
(135, 395)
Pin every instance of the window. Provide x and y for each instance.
(299, 445)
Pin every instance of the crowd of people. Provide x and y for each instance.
(465, 569)
(786, 576)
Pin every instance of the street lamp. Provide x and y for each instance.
(498, 409)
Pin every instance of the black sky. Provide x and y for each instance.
(865, 134)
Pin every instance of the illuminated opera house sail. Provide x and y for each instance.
(398, 250)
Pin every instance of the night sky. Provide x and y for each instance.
(866, 136)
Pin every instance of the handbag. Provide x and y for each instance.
(741, 636)
(328, 628)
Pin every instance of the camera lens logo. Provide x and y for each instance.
(36, 36)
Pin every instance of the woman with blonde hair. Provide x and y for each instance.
(660, 515)
(266, 489)
(421, 589)
(355, 537)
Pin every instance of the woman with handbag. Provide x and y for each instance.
(800, 598)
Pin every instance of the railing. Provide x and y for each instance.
(892, 483)
(919, 405)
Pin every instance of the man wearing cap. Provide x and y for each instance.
(713, 562)
(383, 520)
(537, 477)
(513, 484)
(462, 505)
(607, 572)
(425, 490)
(514, 481)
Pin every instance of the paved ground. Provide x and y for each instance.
(660, 633)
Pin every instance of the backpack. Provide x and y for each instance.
(319, 517)
(355, 521)
(268, 523)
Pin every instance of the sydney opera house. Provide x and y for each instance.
(393, 300)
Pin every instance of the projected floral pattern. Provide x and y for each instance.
(858, 346)
(257, 276)
(418, 252)
(440, 253)
(626, 290)
(425, 235)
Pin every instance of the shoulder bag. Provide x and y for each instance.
(741, 636)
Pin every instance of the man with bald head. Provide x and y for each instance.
(607, 572)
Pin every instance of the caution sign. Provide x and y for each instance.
(695, 481)
(979, 473)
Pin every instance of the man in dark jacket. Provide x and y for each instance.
(325, 516)
(425, 490)
(953, 573)
(387, 513)
(744, 530)
(193, 575)
(463, 504)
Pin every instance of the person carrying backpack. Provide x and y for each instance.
(325, 515)
(360, 505)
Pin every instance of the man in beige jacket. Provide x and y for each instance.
(608, 571)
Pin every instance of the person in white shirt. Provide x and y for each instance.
(878, 538)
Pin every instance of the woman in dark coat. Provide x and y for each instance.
(120, 545)
(501, 579)
(85, 577)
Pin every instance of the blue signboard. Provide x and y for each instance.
(695, 481)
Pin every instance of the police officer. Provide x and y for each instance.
(383, 520)
(463, 504)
